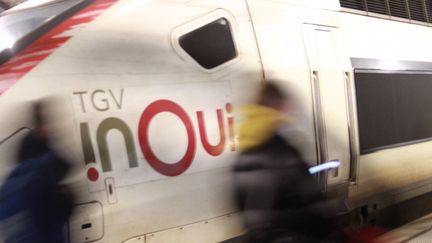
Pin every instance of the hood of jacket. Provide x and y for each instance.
(259, 124)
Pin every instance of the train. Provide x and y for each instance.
(149, 93)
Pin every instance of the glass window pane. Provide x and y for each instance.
(393, 108)
(210, 45)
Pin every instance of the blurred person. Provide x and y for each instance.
(34, 207)
(280, 201)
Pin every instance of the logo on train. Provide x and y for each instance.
(103, 100)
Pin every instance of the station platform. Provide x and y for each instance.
(417, 231)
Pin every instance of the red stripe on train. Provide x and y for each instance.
(28, 58)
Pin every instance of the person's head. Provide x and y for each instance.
(36, 142)
(271, 95)
(261, 120)
(38, 116)
(40, 121)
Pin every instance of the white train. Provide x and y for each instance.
(152, 86)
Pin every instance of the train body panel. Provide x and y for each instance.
(150, 119)
(392, 168)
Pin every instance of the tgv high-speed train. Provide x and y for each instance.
(150, 90)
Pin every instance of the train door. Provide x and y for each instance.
(329, 70)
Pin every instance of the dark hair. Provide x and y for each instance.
(271, 95)
(34, 145)
(39, 112)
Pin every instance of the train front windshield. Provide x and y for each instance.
(20, 26)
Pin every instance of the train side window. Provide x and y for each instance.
(210, 45)
(393, 108)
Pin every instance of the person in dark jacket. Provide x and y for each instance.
(279, 200)
(31, 196)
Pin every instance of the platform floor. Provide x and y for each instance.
(417, 231)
